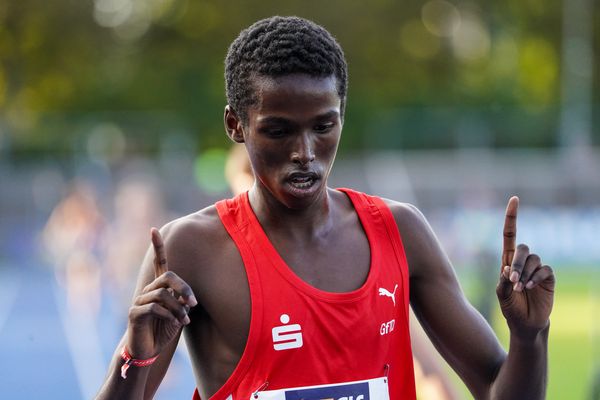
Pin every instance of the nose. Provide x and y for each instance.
(304, 152)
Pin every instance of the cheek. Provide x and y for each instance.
(328, 146)
(266, 159)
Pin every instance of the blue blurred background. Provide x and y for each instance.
(111, 122)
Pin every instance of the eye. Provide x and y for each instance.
(324, 128)
(274, 132)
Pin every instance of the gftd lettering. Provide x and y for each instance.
(354, 391)
(387, 327)
(287, 336)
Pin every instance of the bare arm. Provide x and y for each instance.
(526, 293)
(156, 319)
(459, 332)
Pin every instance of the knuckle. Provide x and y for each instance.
(509, 233)
(138, 300)
(535, 259)
(164, 294)
(525, 274)
(517, 265)
(161, 260)
(181, 312)
(153, 308)
(169, 275)
(135, 313)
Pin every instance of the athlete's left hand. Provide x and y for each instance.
(526, 287)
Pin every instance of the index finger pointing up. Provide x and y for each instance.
(160, 256)
(510, 231)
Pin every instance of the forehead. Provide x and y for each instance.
(295, 92)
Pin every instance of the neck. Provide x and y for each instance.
(306, 223)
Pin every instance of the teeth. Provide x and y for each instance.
(301, 179)
(302, 183)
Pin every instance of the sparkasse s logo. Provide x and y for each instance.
(287, 336)
(353, 391)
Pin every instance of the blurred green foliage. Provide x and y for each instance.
(422, 74)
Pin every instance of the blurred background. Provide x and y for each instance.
(111, 122)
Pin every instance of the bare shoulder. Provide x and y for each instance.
(192, 231)
(423, 250)
(197, 242)
(409, 219)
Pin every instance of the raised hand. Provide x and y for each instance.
(526, 287)
(161, 310)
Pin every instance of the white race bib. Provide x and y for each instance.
(371, 389)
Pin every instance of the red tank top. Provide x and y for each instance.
(306, 343)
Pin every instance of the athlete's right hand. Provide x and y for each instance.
(161, 309)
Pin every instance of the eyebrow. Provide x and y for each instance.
(282, 120)
(274, 120)
(328, 115)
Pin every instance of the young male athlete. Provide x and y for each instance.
(294, 290)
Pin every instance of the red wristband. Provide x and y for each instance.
(132, 361)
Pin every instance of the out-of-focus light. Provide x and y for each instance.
(471, 41)
(417, 41)
(130, 19)
(209, 170)
(106, 143)
(136, 25)
(440, 17)
(112, 13)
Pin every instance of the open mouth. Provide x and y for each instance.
(302, 181)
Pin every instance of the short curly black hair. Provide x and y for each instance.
(279, 46)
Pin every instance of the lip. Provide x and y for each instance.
(297, 190)
(303, 174)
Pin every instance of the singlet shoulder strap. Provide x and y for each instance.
(234, 219)
(231, 214)
(373, 204)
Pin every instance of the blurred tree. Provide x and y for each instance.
(416, 69)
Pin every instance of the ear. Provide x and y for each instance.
(233, 125)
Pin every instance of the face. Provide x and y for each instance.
(291, 136)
